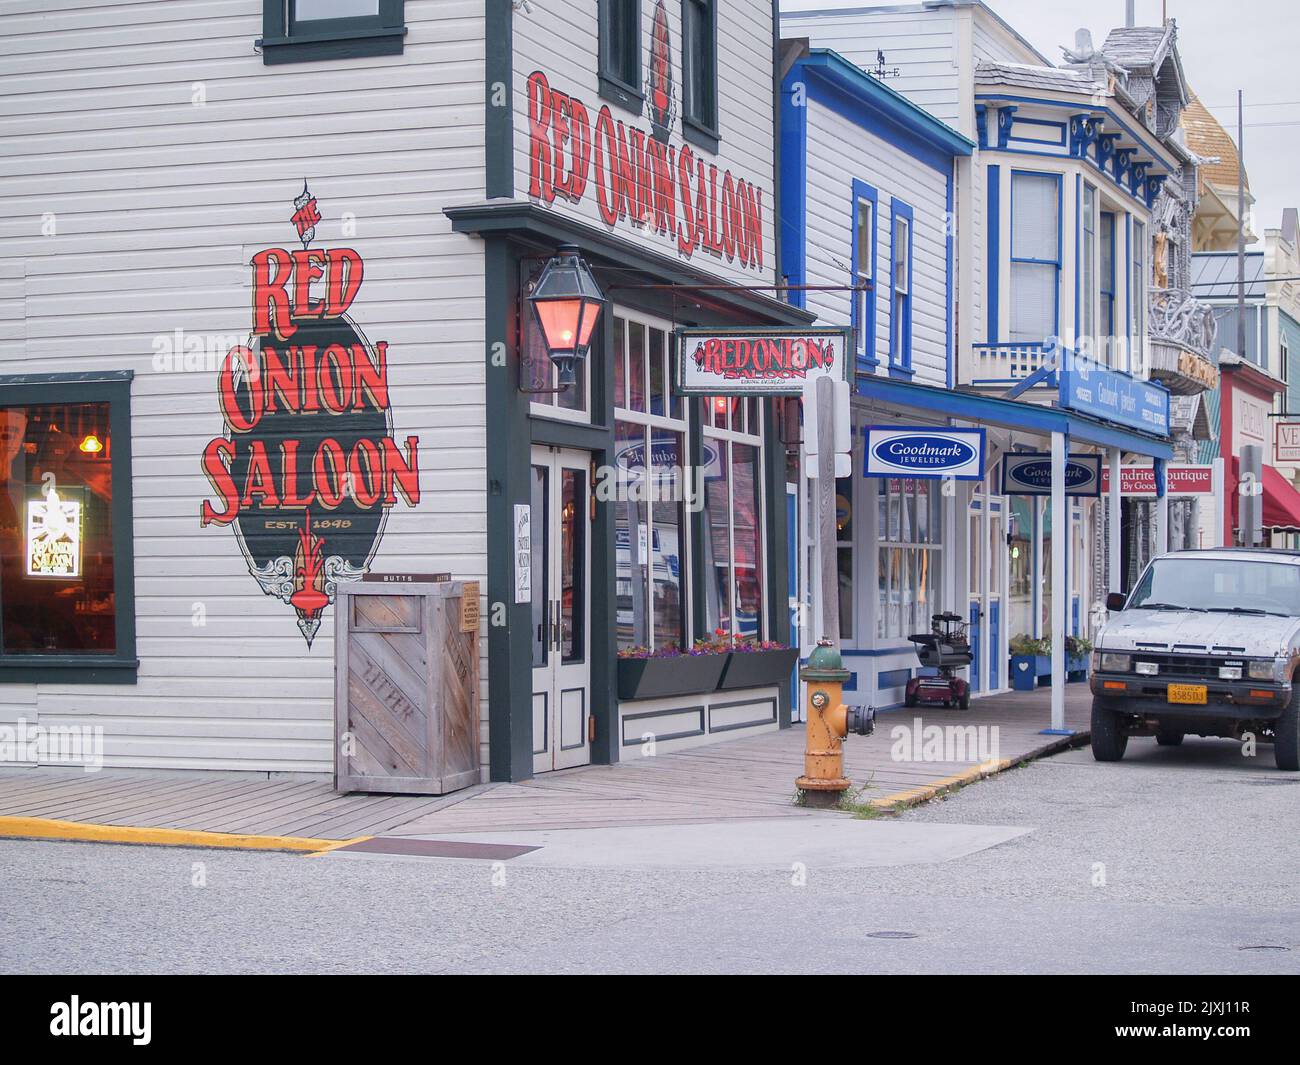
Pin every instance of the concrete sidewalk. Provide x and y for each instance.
(745, 779)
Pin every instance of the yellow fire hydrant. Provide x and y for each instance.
(829, 722)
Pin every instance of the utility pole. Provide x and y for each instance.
(1241, 228)
(1130, 14)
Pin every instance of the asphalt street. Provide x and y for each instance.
(1182, 860)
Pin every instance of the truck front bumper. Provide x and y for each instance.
(1234, 700)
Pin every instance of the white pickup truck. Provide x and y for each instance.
(1208, 643)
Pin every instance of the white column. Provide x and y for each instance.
(1162, 508)
(1060, 593)
(1218, 539)
(1112, 544)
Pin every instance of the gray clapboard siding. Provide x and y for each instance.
(159, 205)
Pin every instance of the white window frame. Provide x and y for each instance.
(648, 421)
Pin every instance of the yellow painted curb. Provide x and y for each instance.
(47, 828)
(943, 785)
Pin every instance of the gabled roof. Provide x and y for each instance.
(1139, 48)
(873, 93)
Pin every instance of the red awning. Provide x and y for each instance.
(1281, 500)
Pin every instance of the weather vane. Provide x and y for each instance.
(882, 71)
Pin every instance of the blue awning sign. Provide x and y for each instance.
(1091, 388)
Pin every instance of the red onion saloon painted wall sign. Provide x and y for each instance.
(308, 466)
(639, 176)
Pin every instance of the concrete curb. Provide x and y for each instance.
(83, 832)
(901, 800)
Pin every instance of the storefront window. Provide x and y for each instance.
(1020, 590)
(733, 527)
(910, 533)
(57, 592)
(844, 552)
(649, 524)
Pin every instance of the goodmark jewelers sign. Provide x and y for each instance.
(1029, 473)
(766, 362)
(924, 452)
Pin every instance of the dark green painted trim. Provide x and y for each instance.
(695, 591)
(510, 729)
(547, 229)
(340, 38)
(498, 99)
(113, 387)
(604, 567)
(571, 434)
(610, 86)
(703, 130)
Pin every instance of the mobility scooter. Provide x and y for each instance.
(946, 648)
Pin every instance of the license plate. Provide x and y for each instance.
(1187, 693)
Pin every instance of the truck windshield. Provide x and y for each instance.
(1219, 584)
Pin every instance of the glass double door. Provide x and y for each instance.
(988, 559)
(560, 515)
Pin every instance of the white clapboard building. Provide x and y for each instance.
(264, 328)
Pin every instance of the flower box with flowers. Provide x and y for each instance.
(660, 674)
(758, 664)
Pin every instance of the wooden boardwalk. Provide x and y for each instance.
(739, 779)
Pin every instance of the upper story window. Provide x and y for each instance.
(900, 310)
(1087, 326)
(620, 53)
(1138, 295)
(298, 31)
(700, 72)
(864, 271)
(1035, 256)
(1107, 250)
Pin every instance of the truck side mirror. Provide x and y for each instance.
(1115, 601)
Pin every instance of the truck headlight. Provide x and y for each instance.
(1265, 670)
(1113, 663)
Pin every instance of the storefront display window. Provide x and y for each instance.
(1021, 547)
(733, 533)
(650, 445)
(60, 520)
(910, 532)
(844, 552)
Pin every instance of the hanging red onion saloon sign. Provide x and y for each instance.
(640, 176)
(767, 362)
(308, 466)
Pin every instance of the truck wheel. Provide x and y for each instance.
(964, 702)
(1168, 737)
(1286, 734)
(1108, 740)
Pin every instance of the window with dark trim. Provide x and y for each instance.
(67, 610)
(620, 53)
(300, 31)
(700, 72)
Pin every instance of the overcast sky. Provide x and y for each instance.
(1246, 44)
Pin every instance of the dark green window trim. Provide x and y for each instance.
(114, 388)
(620, 87)
(700, 65)
(286, 41)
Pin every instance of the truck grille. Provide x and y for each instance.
(1193, 665)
